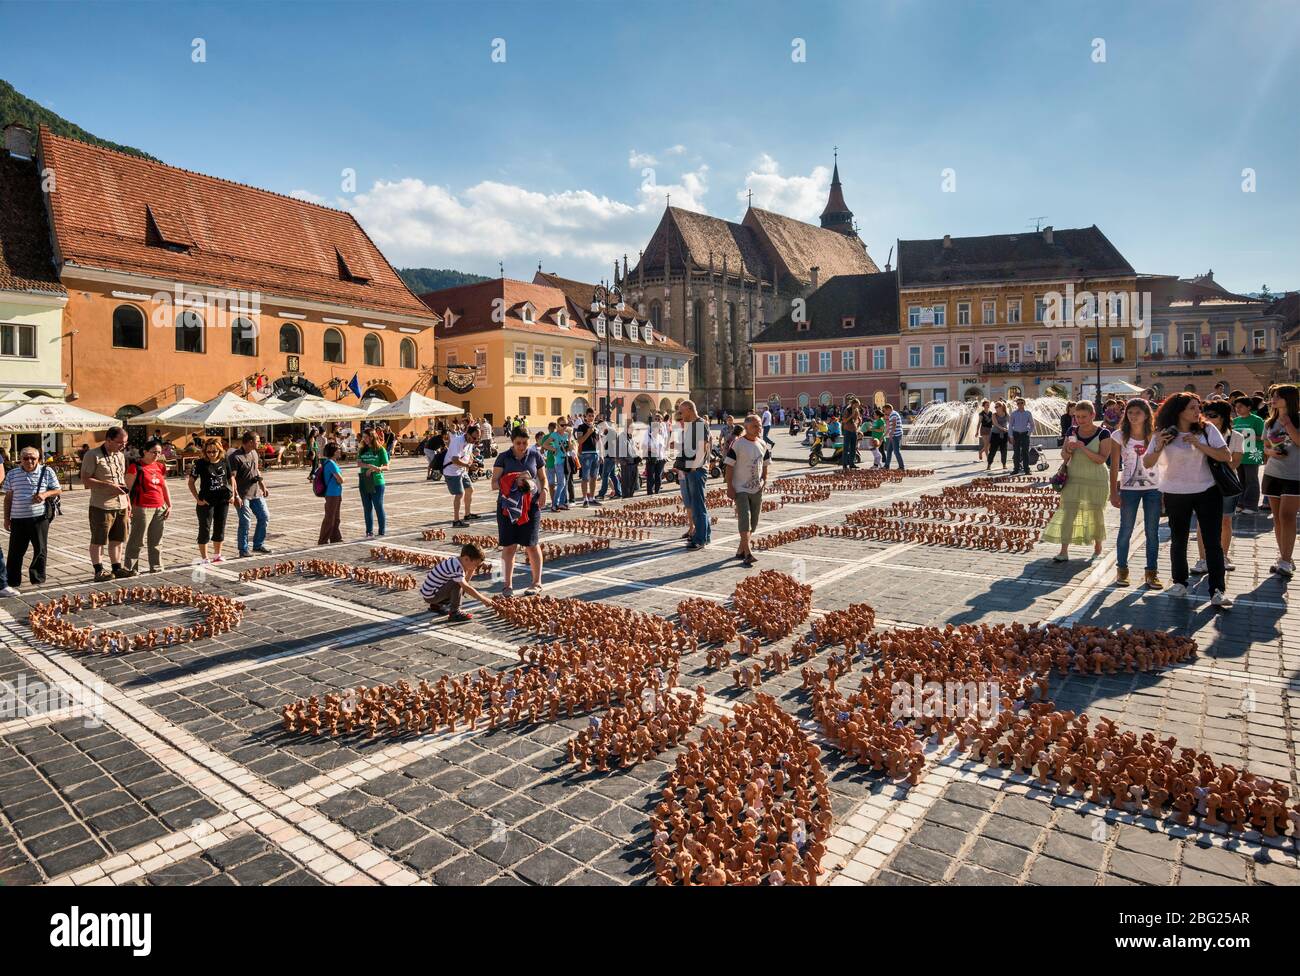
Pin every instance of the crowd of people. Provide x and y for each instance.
(1192, 460)
(1188, 460)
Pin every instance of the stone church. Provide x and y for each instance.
(714, 285)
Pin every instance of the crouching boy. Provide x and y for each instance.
(443, 585)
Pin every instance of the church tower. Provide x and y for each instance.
(837, 216)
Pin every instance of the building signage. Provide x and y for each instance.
(459, 379)
(1184, 372)
(292, 364)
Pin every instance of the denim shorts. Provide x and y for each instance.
(457, 483)
(1230, 504)
(590, 464)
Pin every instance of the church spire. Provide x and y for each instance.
(837, 216)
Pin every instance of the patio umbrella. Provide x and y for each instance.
(314, 409)
(162, 415)
(47, 415)
(1119, 386)
(415, 405)
(226, 410)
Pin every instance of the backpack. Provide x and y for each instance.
(318, 483)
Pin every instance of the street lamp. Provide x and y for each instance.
(601, 298)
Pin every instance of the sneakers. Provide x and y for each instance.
(244, 554)
(263, 551)
(1199, 568)
(1153, 581)
(9, 591)
(1285, 568)
(459, 524)
(472, 515)
(459, 617)
(218, 558)
(1178, 589)
(1121, 577)
(1228, 565)
(1221, 600)
(533, 591)
(597, 502)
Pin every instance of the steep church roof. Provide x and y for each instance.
(795, 247)
(835, 205)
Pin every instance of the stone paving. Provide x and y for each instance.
(184, 775)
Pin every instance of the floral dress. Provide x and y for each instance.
(1082, 516)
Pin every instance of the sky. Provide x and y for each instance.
(466, 134)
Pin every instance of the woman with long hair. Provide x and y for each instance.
(1082, 516)
(372, 463)
(1219, 413)
(986, 427)
(212, 483)
(1281, 483)
(1183, 450)
(1000, 434)
(1134, 486)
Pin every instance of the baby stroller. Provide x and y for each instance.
(1036, 459)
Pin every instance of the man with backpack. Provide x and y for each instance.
(27, 488)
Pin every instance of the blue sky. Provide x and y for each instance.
(461, 161)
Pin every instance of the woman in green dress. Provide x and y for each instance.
(1082, 516)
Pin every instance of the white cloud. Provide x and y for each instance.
(676, 150)
(688, 192)
(802, 197)
(635, 160)
(307, 195)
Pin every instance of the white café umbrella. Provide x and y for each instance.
(48, 415)
(227, 410)
(415, 405)
(162, 416)
(314, 409)
(1119, 386)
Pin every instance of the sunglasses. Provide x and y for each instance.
(28, 457)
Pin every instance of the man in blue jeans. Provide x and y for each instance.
(893, 436)
(588, 457)
(247, 466)
(694, 451)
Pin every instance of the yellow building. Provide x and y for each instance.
(31, 297)
(530, 356)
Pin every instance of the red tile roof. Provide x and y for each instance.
(26, 256)
(579, 294)
(471, 306)
(121, 213)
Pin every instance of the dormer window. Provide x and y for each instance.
(618, 327)
(528, 314)
(847, 322)
(167, 229)
(351, 270)
(599, 322)
(803, 326)
(632, 331)
(562, 319)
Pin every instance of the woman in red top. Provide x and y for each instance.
(151, 502)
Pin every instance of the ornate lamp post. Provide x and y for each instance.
(601, 298)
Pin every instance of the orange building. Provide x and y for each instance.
(181, 284)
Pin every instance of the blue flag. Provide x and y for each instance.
(355, 386)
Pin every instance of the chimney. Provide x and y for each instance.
(18, 140)
(813, 273)
(947, 242)
(1047, 234)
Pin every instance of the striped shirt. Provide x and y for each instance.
(448, 571)
(894, 425)
(23, 485)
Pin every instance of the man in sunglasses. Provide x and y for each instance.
(27, 488)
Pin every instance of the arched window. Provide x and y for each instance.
(406, 355)
(128, 327)
(697, 325)
(373, 350)
(334, 352)
(656, 311)
(290, 339)
(243, 337)
(189, 331)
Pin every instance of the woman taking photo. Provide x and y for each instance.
(372, 462)
(1082, 516)
(212, 483)
(1183, 449)
(1219, 413)
(1281, 484)
(1134, 487)
(1001, 433)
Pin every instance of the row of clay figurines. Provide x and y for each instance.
(332, 569)
(48, 621)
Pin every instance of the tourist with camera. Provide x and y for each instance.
(1185, 449)
(1281, 484)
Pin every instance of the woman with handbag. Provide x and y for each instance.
(1082, 516)
(1185, 451)
(31, 500)
(1219, 413)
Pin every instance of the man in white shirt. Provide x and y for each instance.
(693, 458)
(459, 461)
(767, 427)
(746, 462)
